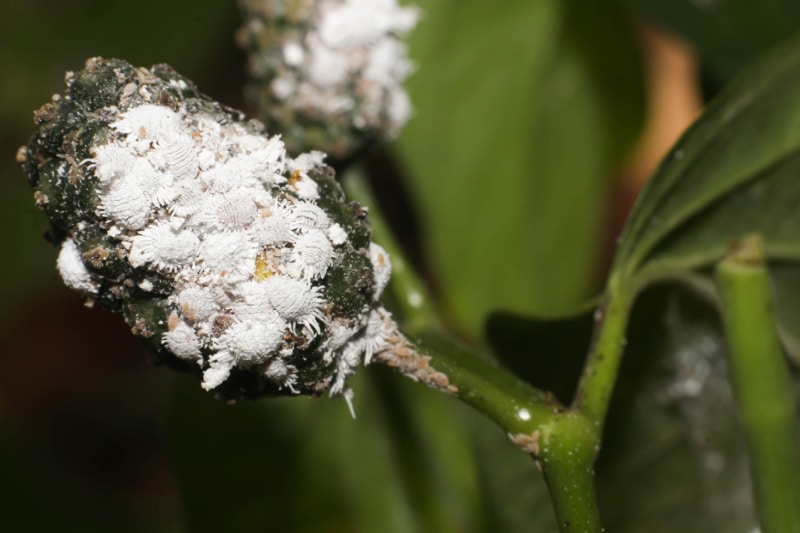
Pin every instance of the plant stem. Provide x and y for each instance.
(563, 443)
(445, 364)
(600, 371)
(567, 448)
(762, 386)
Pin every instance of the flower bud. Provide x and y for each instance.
(230, 258)
(328, 74)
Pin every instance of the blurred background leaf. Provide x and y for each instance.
(522, 113)
(673, 456)
(547, 353)
(786, 293)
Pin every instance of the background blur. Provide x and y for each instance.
(535, 126)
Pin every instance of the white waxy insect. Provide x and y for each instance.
(236, 211)
(227, 176)
(295, 301)
(111, 162)
(337, 235)
(306, 188)
(271, 153)
(149, 121)
(176, 155)
(252, 301)
(183, 342)
(308, 161)
(273, 230)
(207, 128)
(326, 68)
(349, 358)
(229, 253)
(399, 110)
(382, 267)
(73, 270)
(197, 303)
(351, 23)
(303, 185)
(303, 216)
(311, 256)
(164, 248)
(263, 165)
(178, 84)
(377, 333)
(219, 369)
(281, 373)
(252, 341)
(125, 205)
(382, 68)
(206, 159)
(248, 143)
(293, 54)
(155, 185)
(189, 199)
(340, 332)
(283, 87)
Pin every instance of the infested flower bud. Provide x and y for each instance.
(328, 74)
(227, 256)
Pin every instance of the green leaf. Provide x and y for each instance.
(733, 172)
(673, 456)
(514, 492)
(767, 205)
(786, 280)
(521, 113)
(726, 34)
(547, 353)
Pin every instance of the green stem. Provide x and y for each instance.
(600, 371)
(512, 404)
(762, 386)
(563, 443)
(568, 446)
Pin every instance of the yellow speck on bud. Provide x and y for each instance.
(294, 178)
(264, 265)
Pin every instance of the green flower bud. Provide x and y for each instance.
(231, 259)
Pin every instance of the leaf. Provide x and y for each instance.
(726, 35)
(521, 113)
(547, 353)
(767, 205)
(673, 456)
(786, 281)
(514, 491)
(733, 172)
